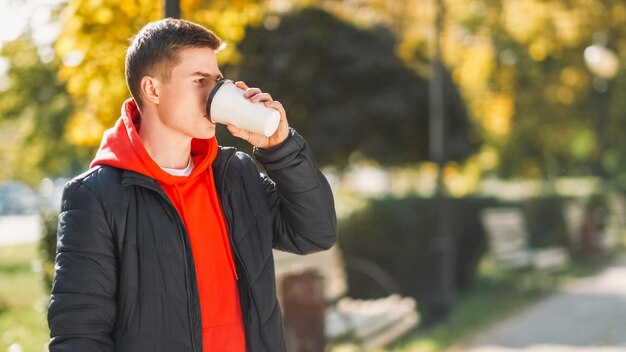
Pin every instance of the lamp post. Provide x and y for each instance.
(441, 272)
(172, 8)
(603, 64)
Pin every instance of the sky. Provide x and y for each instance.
(16, 15)
(12, 19)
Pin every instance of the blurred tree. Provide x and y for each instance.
(346, 89)
(95, 36)
(536, 107)
(34, 109)
(92, 44)
(519, 65)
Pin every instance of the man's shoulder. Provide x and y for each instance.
(99, 174)
(243, 159)
(100, 180)
(92, 188)
(234, 158)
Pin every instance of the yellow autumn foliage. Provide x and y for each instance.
(96, 33)
(93, 42)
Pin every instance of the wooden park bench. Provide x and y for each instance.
(508, 242)
(574, 216)
(583, 232)
(616, 229)
(319, 282)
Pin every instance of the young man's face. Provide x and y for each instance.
(183, 98)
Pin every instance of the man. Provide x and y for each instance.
(165, 244)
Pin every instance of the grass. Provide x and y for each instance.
(23, 301)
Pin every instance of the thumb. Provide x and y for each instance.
(234, 130)
(239, 133)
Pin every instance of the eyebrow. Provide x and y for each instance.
(207, 75)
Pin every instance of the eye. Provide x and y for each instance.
(200, 81)
(219, 79)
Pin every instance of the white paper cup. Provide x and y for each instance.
(226, 105)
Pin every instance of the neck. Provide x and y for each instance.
(167, 147)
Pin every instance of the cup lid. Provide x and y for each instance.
(212, 95)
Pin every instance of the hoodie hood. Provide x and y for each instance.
(122, 147)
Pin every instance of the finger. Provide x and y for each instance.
(240, 133)
(250, 92)
(275, 105)
(241, 85)
(252, 138)
(261, 97)
(235, 131)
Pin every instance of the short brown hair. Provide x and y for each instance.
(154, 50)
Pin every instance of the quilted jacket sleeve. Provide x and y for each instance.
(300, 197)
(82, 308)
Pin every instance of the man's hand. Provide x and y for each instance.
(255, 95)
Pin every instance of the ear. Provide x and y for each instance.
(150, 89)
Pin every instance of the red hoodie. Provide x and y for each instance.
(196, 200)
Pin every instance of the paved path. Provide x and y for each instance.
(588, 315)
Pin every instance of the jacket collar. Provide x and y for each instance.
(219, 164)
(132, 178)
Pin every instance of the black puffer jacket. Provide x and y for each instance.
(125, 278)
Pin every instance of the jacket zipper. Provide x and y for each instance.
(243, 265)
(187, 284)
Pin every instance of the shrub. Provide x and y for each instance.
(396, 234)
(48, 245)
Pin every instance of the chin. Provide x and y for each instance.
(207, 133)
